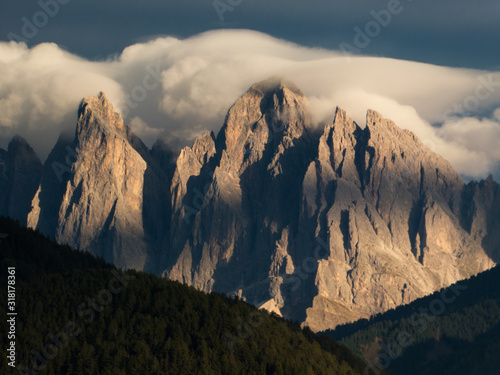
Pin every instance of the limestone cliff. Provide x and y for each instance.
(326, 229)
(390, 211)
(323, 226)
(98, 202)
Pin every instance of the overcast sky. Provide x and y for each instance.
(461, 33)
(173, 68)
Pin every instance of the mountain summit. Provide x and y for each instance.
(101, 203)
(321, 227)
(324, 229)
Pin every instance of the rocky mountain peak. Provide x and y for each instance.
(324, 230)
(382, 130)
(189, 165)
(338, 145)
(265, 120)
(204, 147)
(276, 84)
(97, 112)
(22, 156)
(110, 198)
(18, 142)
(98, 103)
(19, 178)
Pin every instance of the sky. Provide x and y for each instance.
(173, 68)
(460, 33)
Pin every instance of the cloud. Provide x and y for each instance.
(179, 88)
(480, 138)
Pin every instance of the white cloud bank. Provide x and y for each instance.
(178, 88)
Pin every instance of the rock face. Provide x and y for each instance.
(248, 192)
(323, 226)
(20, 171)
(102, 192)
(390, 211)
(325, 229)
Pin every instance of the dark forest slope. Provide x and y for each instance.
(455, 331)
(79, 315)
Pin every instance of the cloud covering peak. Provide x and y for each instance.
(179, 88)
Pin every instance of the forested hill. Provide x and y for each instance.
(455, 331)
(79, 315)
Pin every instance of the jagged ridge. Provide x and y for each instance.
(323, 228)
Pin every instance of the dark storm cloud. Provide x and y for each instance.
(448, 32)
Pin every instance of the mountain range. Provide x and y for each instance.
(324, 225)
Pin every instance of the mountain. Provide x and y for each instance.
(455, 331)
(79, 315)
(20, 171)
(324, 228)
(248, 191)
(109, 196)
(320, 225)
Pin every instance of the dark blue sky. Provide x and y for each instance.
(446, 32)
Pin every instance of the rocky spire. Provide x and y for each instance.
(103, 202)
(19, 179)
